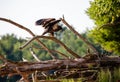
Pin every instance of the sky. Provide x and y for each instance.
(26, 12)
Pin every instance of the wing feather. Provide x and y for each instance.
(44, 21)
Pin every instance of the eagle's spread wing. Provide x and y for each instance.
(44, 22)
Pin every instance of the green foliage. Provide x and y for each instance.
(9, 46)
(67, 80)
(107, 13)
(106, 75)
(104, 11)
(116, 74)
(71, 80)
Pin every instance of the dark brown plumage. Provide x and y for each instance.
(50, 25)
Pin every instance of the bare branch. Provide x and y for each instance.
(80, 36)
(29, 31)
(54, 39)
(34, 55)
(24, 60)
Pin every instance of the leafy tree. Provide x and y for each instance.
(9, 46)
(106, 15)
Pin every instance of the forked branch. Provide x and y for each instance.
(30, 32)
(54, 39)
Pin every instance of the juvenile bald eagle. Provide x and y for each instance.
(50, 25)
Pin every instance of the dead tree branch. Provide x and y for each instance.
(30, 67)
(79, 35)
(54, 39)
(34, 55)
(29, 31)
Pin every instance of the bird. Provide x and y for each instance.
(50, 25)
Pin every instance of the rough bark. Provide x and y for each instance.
(10, 67)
